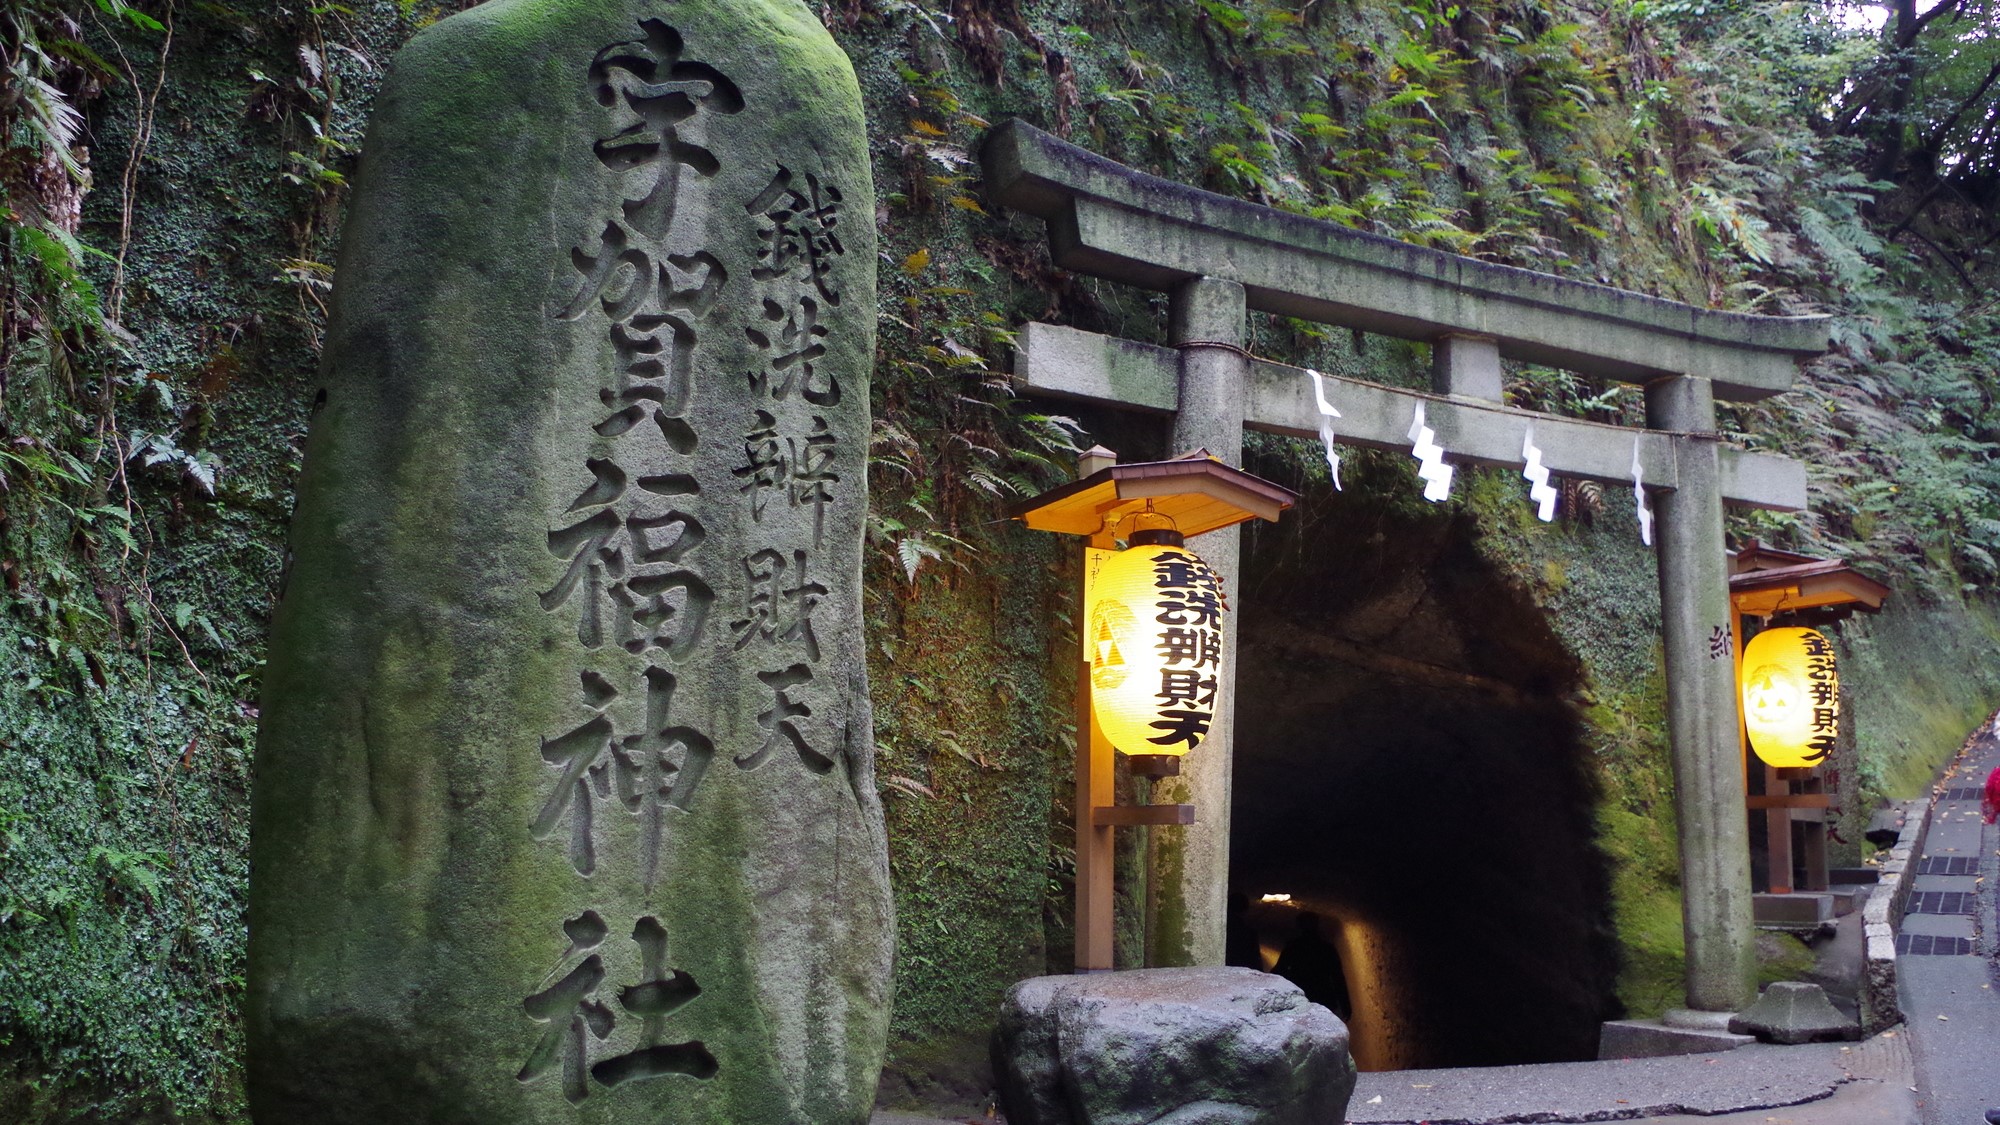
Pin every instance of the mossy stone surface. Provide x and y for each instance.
(565, 806)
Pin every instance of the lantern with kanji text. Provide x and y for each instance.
(1791, 697)
(1153, 622)
(1154, 639)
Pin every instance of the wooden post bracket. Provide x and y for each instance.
(1127, 816)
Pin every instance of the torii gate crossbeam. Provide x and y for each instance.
(1108, 371)
(1218, 258)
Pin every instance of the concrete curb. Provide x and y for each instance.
(1879, 1009)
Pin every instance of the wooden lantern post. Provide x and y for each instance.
(1196, 494)
(1765, 583)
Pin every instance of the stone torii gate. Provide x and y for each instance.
(1218, 258)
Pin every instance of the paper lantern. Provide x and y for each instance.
(1154, 635)
(1791, 697)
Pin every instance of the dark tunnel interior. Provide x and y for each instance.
(1409, 767)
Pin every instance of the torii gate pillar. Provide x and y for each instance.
(1189, 867)
(1701, 705)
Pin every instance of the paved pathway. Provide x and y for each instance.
(1945, 965)
(1866, 1083)
(1822, 1084)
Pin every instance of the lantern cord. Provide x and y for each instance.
(1326, 416)
(1223, 344)
(1135, 517)
(1431, 468)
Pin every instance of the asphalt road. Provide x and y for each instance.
(1950, 999)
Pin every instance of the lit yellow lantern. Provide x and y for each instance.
(1153, 628)
(1791, 697)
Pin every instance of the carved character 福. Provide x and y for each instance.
(616, 556)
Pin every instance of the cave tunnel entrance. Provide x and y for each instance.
(1409, 768)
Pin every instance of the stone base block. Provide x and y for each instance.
(1794, 1012)
(1696, 1019)
(1800, 908)
(1649, 1039)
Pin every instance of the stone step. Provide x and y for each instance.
(1799, 908)
(1930, 945)
(1649, 1039)
(1942, 902)
(1949, 865)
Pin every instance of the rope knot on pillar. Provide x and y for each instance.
(1225, 345)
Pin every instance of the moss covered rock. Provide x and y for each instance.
(565, 804)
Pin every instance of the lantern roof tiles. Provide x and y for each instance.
(1758, 555)
(1766, 581)
(1195, 492)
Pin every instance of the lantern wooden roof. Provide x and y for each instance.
(1765, 581)
(1196, 492)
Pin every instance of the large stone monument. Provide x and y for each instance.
(565, 804)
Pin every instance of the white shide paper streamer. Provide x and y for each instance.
(1431, 468)
(1537, 475)
(1326, 416)
(1644, 506)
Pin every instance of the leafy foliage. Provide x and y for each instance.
(137, 572)
(1898, 421)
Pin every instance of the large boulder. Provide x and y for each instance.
(1206, 1046)
(565, 806)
